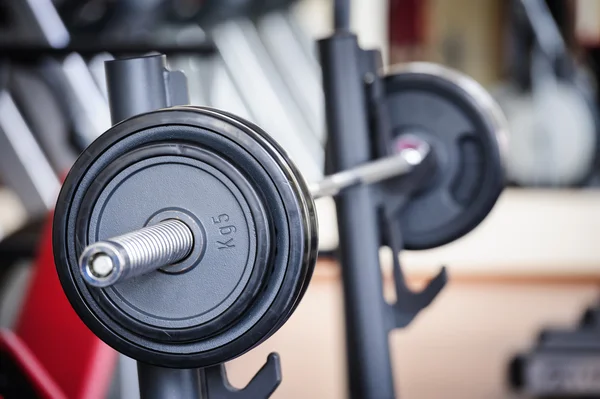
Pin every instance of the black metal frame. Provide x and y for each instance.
(144, 84)
(357, 133)
(369, 365)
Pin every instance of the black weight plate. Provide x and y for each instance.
(189, 158)
(466, 131)
(225, 276)
(308, 204)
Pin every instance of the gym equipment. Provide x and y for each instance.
(563, 363)
(367, 217)
(213, 229)
(185, 236)
(244, 63)
(47, 121)
(33, 25)
(466, 133)
(558, 372)
(131, 205)
(44, 28)
(278, 31)
(234, 199)
(554, 129)
(75, 110)
(164, 244)
(265, 94)
(23, 165)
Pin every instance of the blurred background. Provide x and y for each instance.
(533, 263)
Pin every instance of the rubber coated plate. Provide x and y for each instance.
(218, 275)
(233, 181)
(466, 131)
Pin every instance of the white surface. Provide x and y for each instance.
(528, 232)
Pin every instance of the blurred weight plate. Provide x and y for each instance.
(552, 136)
(467, 133)
(226, 177)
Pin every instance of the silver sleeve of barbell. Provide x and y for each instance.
(138, 252)
(371, 172)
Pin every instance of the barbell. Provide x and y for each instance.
(186, 236)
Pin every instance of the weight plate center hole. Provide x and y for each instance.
(411, 138)
(196, 253)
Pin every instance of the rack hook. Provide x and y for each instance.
(262, 385)
(408, 302)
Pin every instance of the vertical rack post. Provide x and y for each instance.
(163, 383)
(143, 84)
(368, 362)
(135, 86)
